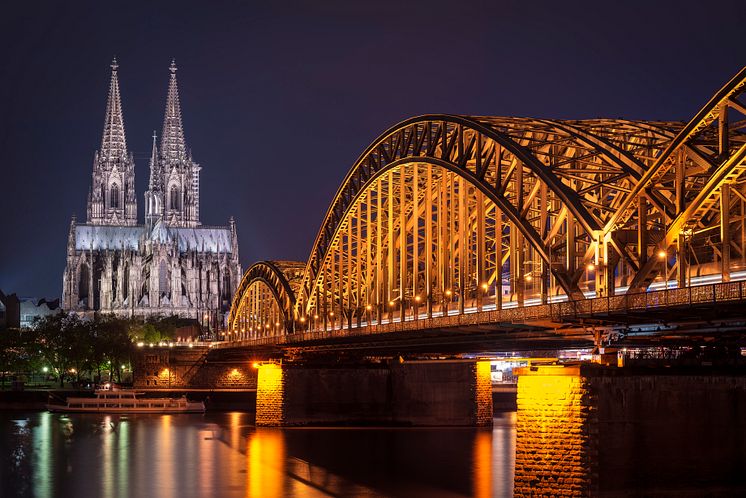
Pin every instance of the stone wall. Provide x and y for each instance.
(190, 368)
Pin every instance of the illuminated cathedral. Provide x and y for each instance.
(171, 264)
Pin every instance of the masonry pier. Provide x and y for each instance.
(418, 393)
(603, 431)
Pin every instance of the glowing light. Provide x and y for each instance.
(45, 369)
(315, 317)
(140, 344)
(369, 307)
(255, 364)
(391, 303)
(277, 324)
(417, 298)
(662, 254)
(528, 277)
(449, 293)
(72, 370)
(331, 314)
(302, 319)
(485, 286)
(591, 267)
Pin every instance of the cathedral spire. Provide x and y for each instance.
(172, 137)
(153, 183)
(114, 143)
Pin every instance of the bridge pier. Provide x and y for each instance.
(432, 393)
(587, 430)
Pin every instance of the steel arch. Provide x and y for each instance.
(279, 276)
(597, 196)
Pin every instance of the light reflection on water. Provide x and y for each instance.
(223, 454)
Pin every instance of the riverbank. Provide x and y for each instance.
(503, 398)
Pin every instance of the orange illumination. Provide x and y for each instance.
(302, 319)
(417, 298)
(369, 307)
(528, 277)
(662, 254)
(315, 317)
(591, 267)
(255, 364)
(448, 292)
(331, 314)
(485, 286)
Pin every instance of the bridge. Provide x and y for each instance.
(474, 234)
(459, 232)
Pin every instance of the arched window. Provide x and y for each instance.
(84, 284)
(114, 194)
(126, 282)
(174, 198)
(164, 286)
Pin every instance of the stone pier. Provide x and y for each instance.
(589, 430)
(445, 393)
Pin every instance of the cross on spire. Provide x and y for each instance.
(114, 142)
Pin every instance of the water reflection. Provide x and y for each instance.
(223, 454)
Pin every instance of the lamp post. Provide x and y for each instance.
(663, 256)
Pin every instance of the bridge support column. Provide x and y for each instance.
(588, 430)
(446, 393)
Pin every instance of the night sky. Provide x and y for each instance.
(279, 98)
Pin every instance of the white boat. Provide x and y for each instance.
(126, 401)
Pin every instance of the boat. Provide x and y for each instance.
(126, 401)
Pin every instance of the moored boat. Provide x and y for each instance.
(126, 401)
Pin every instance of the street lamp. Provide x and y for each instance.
(663, 256)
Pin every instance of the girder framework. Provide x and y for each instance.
(455, 214)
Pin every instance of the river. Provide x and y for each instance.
(224, 454)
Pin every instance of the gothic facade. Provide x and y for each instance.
(169, 265)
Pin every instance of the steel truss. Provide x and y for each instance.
(451, 214)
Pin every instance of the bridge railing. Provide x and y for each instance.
(558, 312)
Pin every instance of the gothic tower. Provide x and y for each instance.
(111, 199)
(173, 190)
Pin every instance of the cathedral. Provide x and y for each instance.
(171, 264)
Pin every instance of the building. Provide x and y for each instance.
(169, 265)
(20, 312)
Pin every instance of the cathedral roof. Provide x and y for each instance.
(200, 239)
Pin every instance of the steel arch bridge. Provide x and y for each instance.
(447, 215)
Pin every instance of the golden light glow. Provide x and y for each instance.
(417, 298)
(662, 254)
(369, 307)
(485, 286)
(255, 364)
(315, 317)
(528, 277)
(265, 457)
(449, 293)
(392, 303)
(302, 319)
(591, 267)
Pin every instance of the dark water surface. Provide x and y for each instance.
(223, 454)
